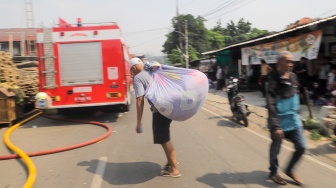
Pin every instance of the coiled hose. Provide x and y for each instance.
(25, 156)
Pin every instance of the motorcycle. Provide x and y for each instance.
(237, 103)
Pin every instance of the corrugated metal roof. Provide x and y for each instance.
(272, 35)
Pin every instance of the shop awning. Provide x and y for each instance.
(272, 35)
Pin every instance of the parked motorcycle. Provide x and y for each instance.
(238, 106)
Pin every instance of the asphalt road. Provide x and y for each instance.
(212, 150)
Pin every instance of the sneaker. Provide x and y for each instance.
(277, 179)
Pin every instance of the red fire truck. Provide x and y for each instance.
(83, 66)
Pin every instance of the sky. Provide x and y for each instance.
(144, 23)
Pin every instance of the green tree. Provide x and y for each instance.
(216, 40)
(175, 56)
(198, 35)
(241, 31)
(178, 56)
(200, 39)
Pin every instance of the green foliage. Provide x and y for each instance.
(198, 35)
(193, 54)
(238, 32)
(216, 39)
(311, 123)
(200, 39)
(316, 129)
(315, 135)
(176, 57)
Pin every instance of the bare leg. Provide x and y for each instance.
(171, 157)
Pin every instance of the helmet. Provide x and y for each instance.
(41, 96)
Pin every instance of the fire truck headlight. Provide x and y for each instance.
(55, 98)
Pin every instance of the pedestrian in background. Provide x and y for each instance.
(265, 69)
(160, 124)
(323, 73)
(227, 75)
(249, 77)
(331, 78)
(301, 70)
(212, 72)
(282, 99)
(220, 79)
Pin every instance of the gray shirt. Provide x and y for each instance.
(141, 82)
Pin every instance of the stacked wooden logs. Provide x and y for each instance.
(9, 73)
(24, 75)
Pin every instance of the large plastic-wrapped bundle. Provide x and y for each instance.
(177, 93)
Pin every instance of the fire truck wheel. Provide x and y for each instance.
(50, 112)
(124, 107)
(67, 111)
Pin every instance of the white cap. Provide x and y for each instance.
(135, 61)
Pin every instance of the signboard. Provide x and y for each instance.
(112, 73)
(306, 45)
(82, 89)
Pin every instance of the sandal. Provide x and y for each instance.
(278, 179)
(168, 174)
(295, 178)
(167, 166)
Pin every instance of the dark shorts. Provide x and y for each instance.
(161, 126)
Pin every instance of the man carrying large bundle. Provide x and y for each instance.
(160, 123)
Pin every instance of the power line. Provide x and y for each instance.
(141, 35)
(187, 3)
(146, 41)
(218, 8)
(224, 6)
(202, 8)
(147, 30)
(326, 12)
(231, 10)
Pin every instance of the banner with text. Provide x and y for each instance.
(306, 45)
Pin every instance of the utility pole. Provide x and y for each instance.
(177, 22)
(186, 43)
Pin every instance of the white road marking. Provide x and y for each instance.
(286, 147)
(98, 177)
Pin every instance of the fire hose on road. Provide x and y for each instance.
(25, 155)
